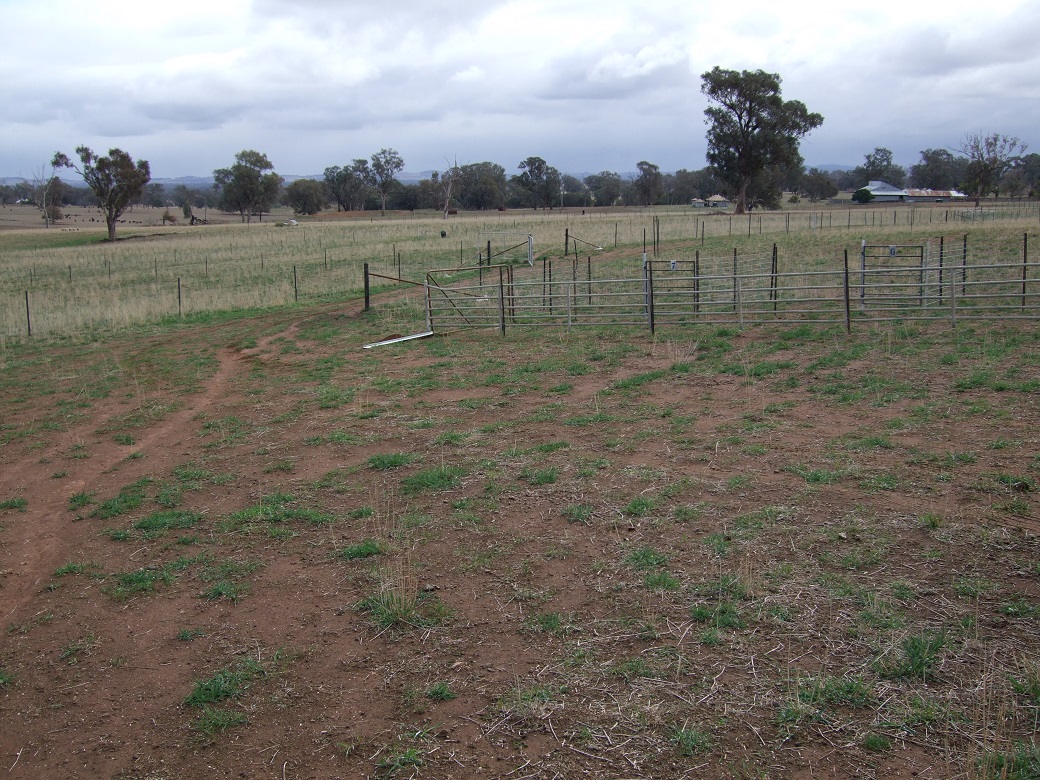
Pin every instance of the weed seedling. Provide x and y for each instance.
(363, 549)
(216, 720)
(440, 692)
(688, 741)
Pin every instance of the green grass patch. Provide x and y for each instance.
(129, 498)
(390, 460)
(436, 479)
(226, 683)
(167, 520)
(364, 549)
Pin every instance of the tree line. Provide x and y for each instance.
(753, 157)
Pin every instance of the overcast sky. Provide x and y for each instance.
(588, 85)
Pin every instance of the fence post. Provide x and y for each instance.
(512, 295)
(368, 289)
(180, 307)
(501, 302)
(964, 266)
(941, 259)
(773, 290)
(740, 302)
(697, 282)
(648, 271)
(588, 260)
(848, 303)
(429, 304)
(863, 275)
(1025, 265)
(295, 285)
(544, 262)
(566, 241)
(549, 268)
(28, 319)
(734, 278)
(920, 282)
(953, 300)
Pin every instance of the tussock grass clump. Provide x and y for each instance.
(436, 479)
(273, 509)
(364, 549)
(916, 658)
(390, 460)
(167, 520)
(129, 498)
(226, 683)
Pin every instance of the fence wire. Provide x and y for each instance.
(665, 292)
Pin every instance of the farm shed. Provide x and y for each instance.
(884, 192)
(933, 196)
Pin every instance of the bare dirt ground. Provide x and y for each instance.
(701, 555)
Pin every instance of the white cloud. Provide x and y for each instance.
(470, 74)
(585, 84)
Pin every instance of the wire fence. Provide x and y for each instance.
(83, 288)
(904, 283)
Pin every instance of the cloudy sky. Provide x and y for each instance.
(588, 85)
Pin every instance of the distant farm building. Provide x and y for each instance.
(884, 192)
(697, 203)
(718, 202)
(933, 196)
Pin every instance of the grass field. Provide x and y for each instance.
(238, 543)
(75, 282)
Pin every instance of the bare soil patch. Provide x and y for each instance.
(588, 554)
